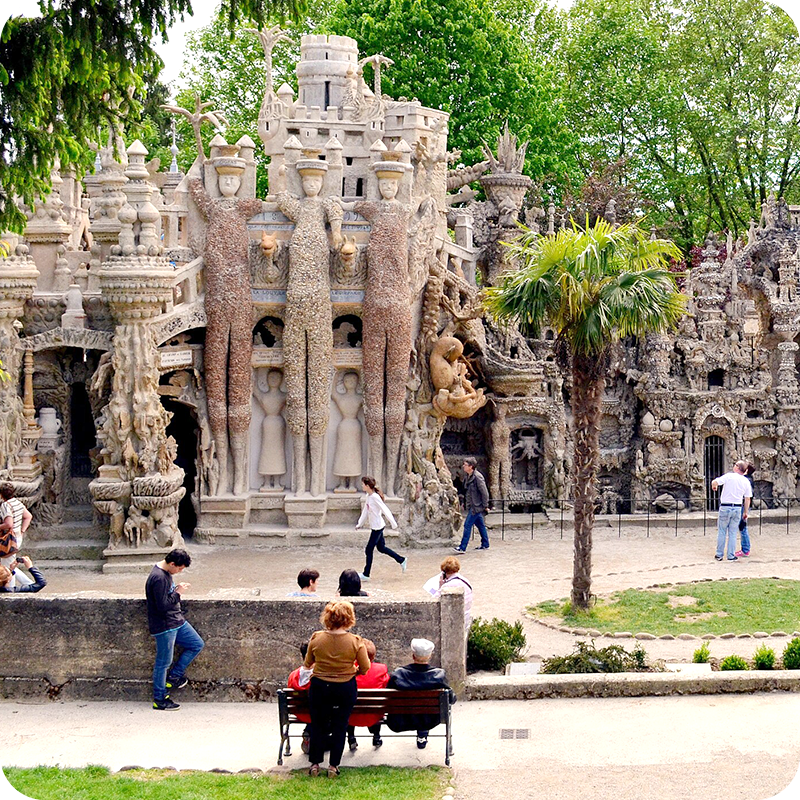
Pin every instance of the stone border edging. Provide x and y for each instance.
(643, 636)
(630, 684)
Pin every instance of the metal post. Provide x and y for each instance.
(503, 519)
(705, 507)
(533, 512)
(676, 517)
(619, 521)
(788, 501)
(562, 517)
(759, 517)
(648, 519)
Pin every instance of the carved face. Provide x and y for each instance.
(229, 185)
(388, 188)
(312, 185)
(350, 381)
(274, 378)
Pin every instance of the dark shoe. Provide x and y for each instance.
(177, 683)
(313, 770)
(333, 772)
(377, 741)
(352, 744)
(481, 547)
(422, 742)
(305, 744)
(733, 559)
(718, 558)
(458, 550)
(165, 705)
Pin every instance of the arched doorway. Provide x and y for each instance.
(183, 427)
(714, 459)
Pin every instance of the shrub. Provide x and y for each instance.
(702, 654)
(587, 658)
(791, 654)
(492, 645)
(733, 662)
(764, 658)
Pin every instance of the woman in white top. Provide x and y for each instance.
(374, 511)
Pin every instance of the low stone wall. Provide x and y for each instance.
(77, 648)
(630, 684)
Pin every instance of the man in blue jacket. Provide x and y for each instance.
(168, 627)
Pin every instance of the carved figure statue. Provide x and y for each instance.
(500, 462)
(455, 394)
(347, 460)
(272, 461)
(387, 322)
(228, 348)
(308, 335)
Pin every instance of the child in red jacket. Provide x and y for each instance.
(376, 678)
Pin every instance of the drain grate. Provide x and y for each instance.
(515, 733)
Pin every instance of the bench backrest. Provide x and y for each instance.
(377, 701)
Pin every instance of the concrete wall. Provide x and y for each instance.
(70, 648)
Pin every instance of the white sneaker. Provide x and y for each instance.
(404, 564)
(363, 577)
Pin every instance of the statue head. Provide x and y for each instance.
(350, 381)
(274, 378)
(229, 184)
(230, 169)
(389, 173)
(388, 187)
(312, 175)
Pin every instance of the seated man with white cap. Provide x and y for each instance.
(418, 675)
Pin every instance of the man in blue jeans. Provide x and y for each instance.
(734, 503)
(168, 627)
(476, 503)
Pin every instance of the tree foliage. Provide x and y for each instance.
(699, 97)
(74, 72)
(483, 62)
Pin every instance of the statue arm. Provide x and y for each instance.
(366, 208)
(200, 196)
(335, 214)
(289, 205)
(251, 207)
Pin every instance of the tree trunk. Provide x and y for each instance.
(588, 381)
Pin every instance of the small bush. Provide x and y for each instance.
(702, 654)
(791, 655)
(764, 658)
(492, 645)
(733, 662)
(587, 658)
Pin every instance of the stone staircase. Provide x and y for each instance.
(75, 543)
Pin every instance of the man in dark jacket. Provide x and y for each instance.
(418, 675)
(476, 504)
(168, 627)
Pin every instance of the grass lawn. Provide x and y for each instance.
(736, 606)
(97, 783)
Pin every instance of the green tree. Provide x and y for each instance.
(591, 286)
(79, 69)
(699, 98)
(483, 62)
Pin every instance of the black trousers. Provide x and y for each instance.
(375, 730)
(376, 540)
(330, 705)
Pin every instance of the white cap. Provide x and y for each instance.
(422, 648)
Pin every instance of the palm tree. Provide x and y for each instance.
(592, 287)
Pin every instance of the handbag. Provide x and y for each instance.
(8, 544)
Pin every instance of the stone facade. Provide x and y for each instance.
(213, 365)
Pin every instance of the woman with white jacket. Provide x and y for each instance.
(374, 511)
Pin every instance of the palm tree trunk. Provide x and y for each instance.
(588, 381)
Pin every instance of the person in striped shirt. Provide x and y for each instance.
(14, 516)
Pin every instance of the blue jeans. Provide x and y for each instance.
(745, 534)
(728, 525)
(187, 638)
(474, 518)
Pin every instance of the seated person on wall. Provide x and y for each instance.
(415, 676)
(7, 581)
(307, 581)
(451, 576)
(350, 584)
(376, 678)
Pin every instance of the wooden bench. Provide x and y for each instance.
(373, 701)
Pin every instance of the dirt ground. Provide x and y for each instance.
(511, 575)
